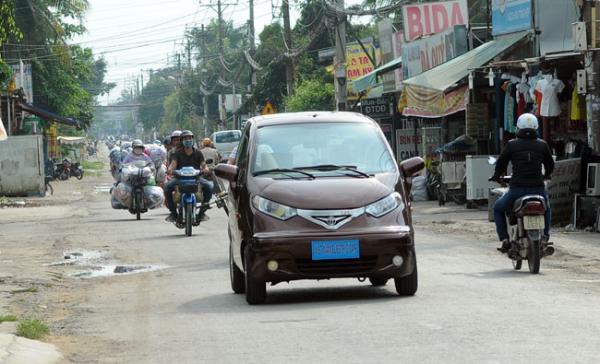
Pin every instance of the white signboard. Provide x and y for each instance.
(431, 18)
(397, 39)
(23, 78)
(407, 144)
(424, 54)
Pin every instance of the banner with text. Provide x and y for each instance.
(432, 18)
(424, 54)
(358, 64)
(509, 16)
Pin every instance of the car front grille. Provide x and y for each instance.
(341, 266)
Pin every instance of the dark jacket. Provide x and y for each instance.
(527, 154)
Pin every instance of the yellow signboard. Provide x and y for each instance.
(359, 64)
(268, 109)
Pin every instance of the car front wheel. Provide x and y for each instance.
(256, 291)
(237, 276)
(407, 285)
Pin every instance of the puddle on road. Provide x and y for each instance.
(93, 264)
(115, 270)
(80, 258)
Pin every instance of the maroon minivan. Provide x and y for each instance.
(318, 195)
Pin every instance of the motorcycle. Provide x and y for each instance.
(187, 197)
(137, 175)
(63, 169)
(76, 170)
(526, 227)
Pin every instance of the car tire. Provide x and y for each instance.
(256, 291)
(407, 285)
(238, 285)
(378, 282)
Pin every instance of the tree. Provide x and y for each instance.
(311, 95)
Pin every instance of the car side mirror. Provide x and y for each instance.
(227, 171)
(412, 166)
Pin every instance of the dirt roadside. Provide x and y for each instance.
(35, 236)
(576, 251)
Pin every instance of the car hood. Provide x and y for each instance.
(325, 192)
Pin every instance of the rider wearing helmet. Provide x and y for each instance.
(527, 153)
(175, 144)
(210, 152)
(187, 157)
(137, 153)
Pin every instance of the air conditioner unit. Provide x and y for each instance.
(592, 186)
(579, 37)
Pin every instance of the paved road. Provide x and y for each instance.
(470, 307)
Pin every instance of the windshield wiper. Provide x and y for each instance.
(283, 171)
(335, 167)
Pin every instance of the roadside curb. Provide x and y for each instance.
(18, 350)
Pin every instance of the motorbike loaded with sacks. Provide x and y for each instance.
(136, 190)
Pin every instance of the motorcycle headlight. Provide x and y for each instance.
(385, 205)
(274, 209)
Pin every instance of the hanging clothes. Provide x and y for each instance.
(578, 111)
(509, 107)
(499, 101)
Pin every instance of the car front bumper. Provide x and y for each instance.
(293, 254)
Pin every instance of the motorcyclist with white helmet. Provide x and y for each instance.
(527, 153)
(137, 153)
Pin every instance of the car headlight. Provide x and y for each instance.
(274, 209)
(385, 205)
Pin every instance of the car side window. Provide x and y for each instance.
(242, 152)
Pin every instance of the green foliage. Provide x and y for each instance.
(311, 95)
(8, 318)
(32, 329)
(153, 97)
(92, 165)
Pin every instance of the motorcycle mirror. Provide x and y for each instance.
(492, 160)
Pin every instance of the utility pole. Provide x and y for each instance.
(202, 73)
(223, 113)
(251, 43)
(341, 92)
(592, 68)
(287, 31)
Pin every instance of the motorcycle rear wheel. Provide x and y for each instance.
(79, 175)
(189, 219)
(534, 255)
(137, 205)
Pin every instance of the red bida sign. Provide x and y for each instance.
(431, 18)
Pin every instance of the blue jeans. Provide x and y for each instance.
(169, 188)
(506, 201)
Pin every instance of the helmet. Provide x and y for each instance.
(527, 121)
(187, 133)
(167, 140)
(206, 142)
(176, 134)
(156, 142)
(137, 144)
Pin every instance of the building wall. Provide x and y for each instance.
(22, 166)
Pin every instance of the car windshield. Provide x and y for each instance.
(323, 149)
(228, 137)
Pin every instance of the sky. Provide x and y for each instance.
(135, 36)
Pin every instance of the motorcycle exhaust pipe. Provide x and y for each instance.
(548, 251)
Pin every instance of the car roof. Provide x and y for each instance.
(310, 117)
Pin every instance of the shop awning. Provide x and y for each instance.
(427, 93)
(370, 79)
(47, 115)
(70, 140)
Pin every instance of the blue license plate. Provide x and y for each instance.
(335, 249)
